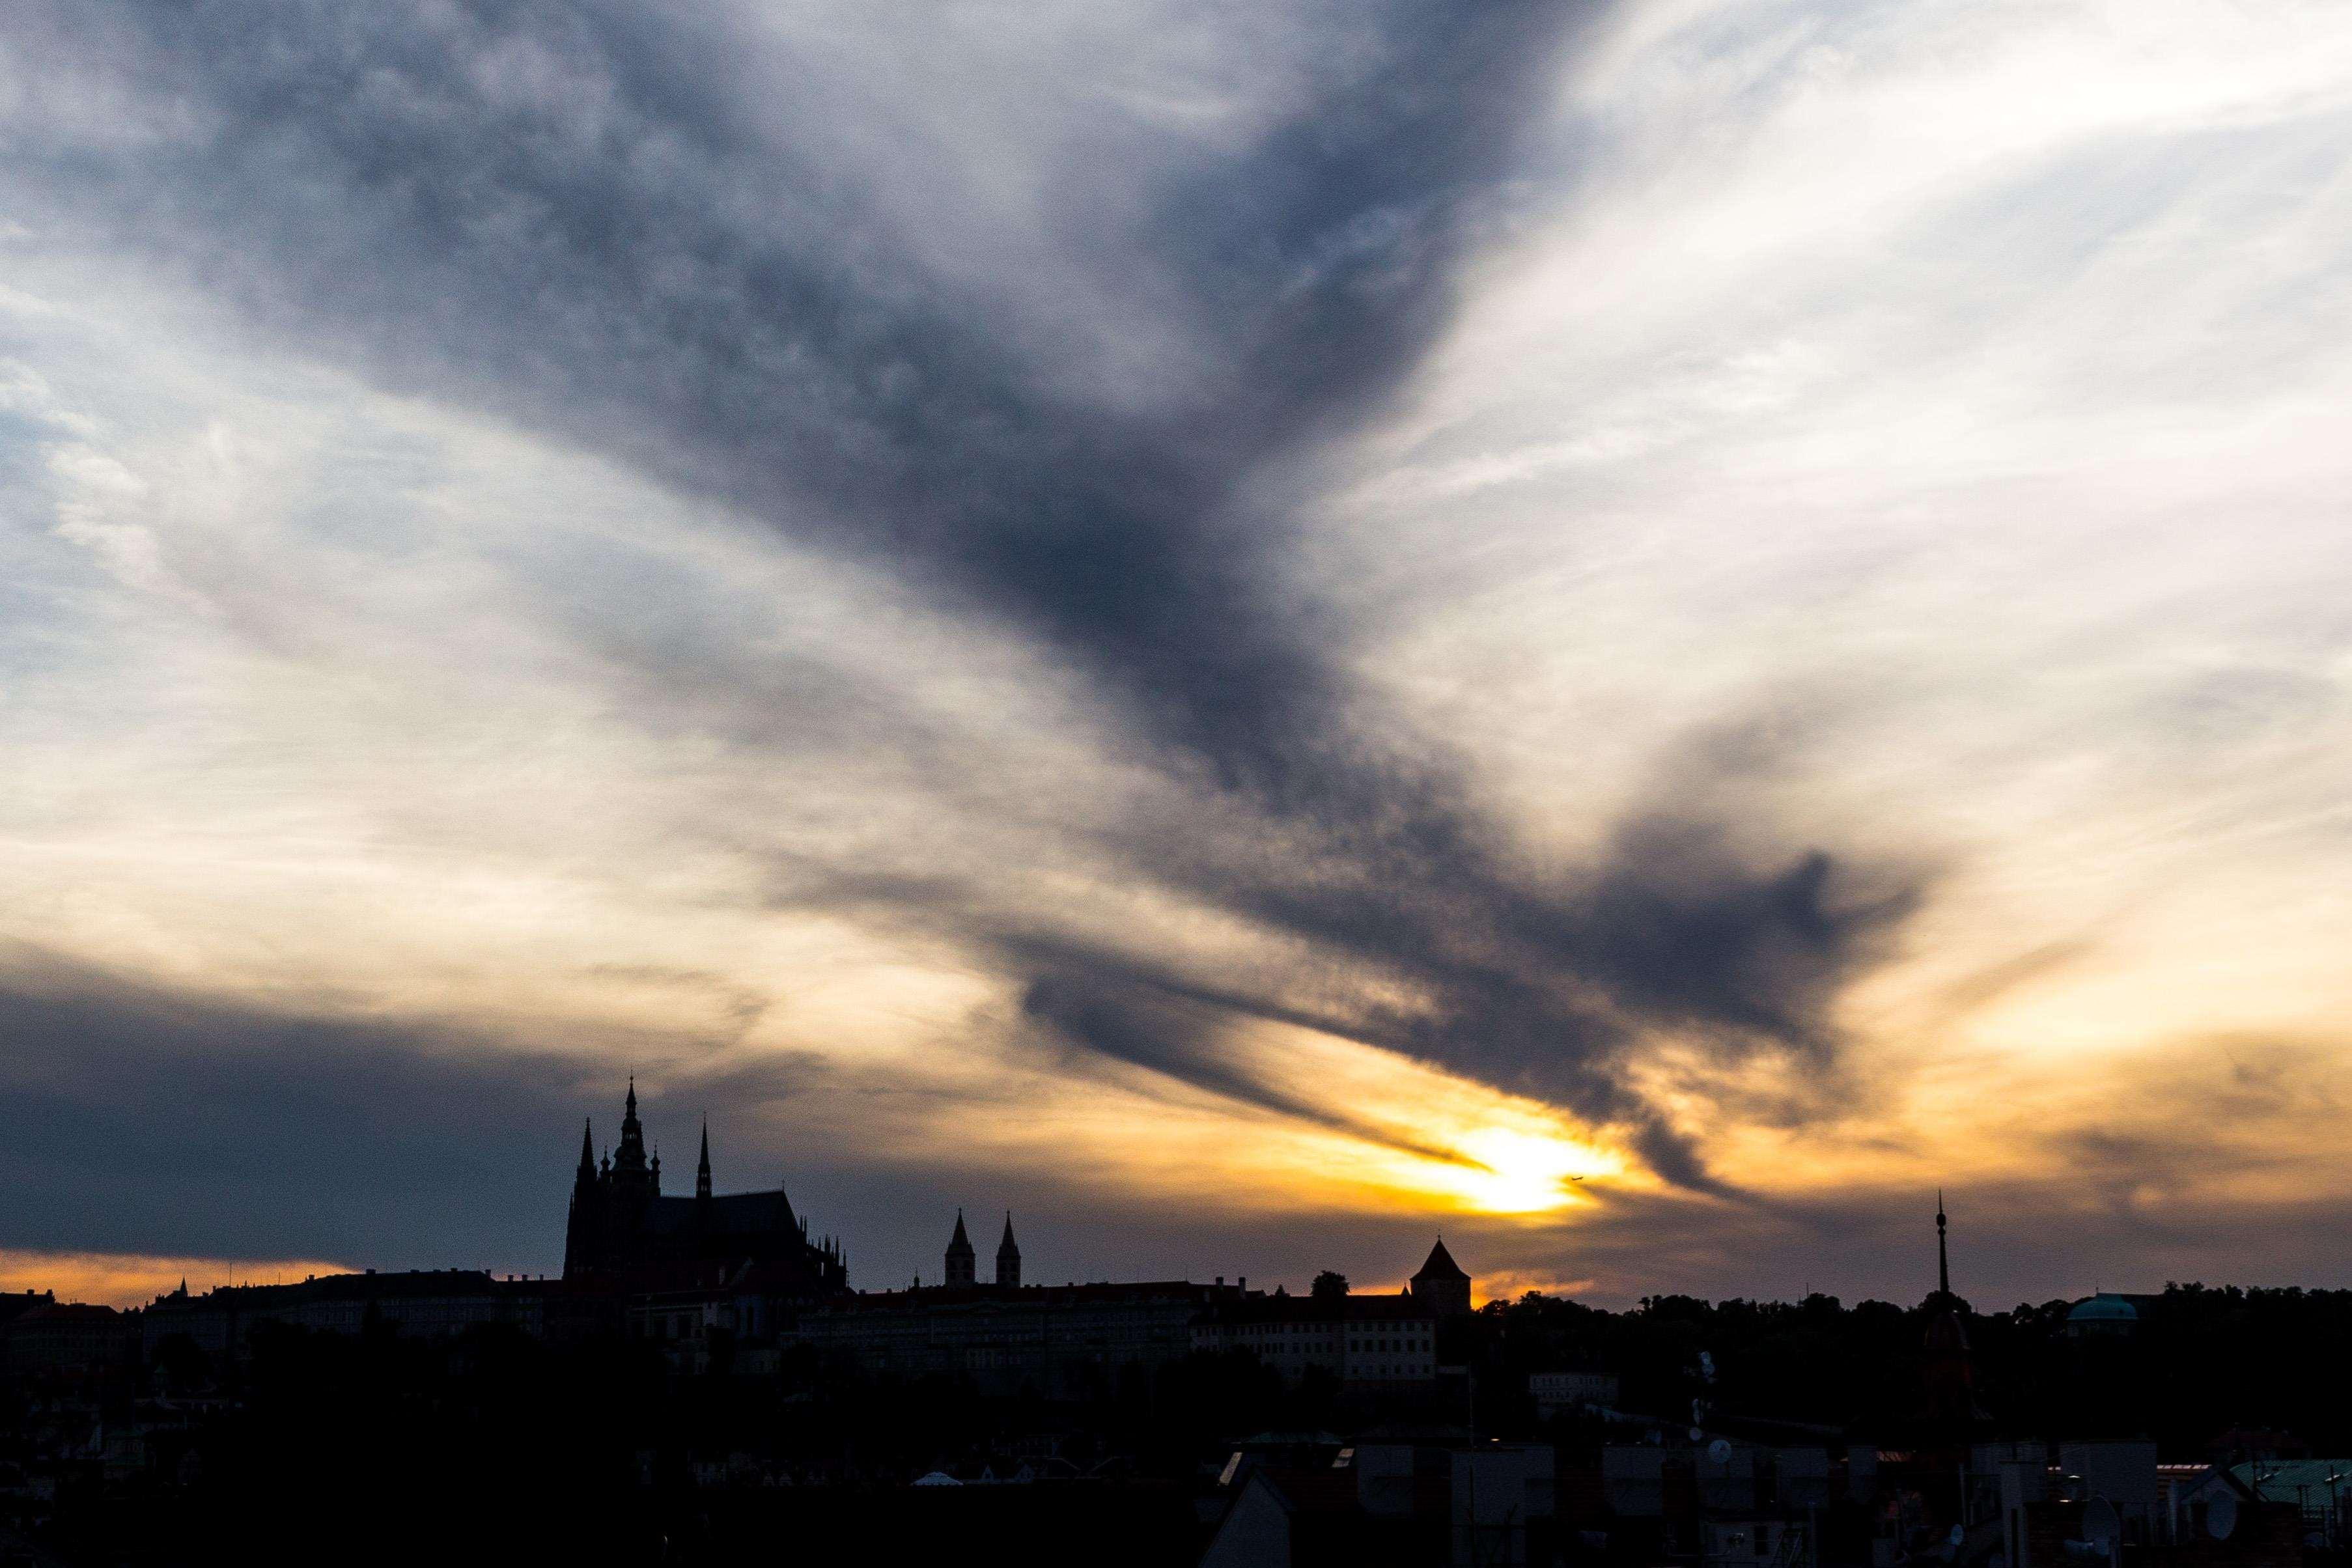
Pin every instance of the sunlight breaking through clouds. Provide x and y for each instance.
(1401, 604)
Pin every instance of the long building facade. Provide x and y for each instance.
(1061, 1341)
(1371, 1344)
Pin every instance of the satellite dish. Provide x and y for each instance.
(2100, 1525)
(2221, 1517)
(1719, 1451)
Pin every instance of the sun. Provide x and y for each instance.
(1525, 1173)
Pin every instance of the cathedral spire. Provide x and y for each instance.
(1008, 1257)
(587, 1151)
(702, 1172)
(962, 1263)
(630, 1168)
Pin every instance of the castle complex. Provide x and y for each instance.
(742, 1268)
(735, 1281)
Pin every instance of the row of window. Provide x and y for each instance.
(1357, 1347)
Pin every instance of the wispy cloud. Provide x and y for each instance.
(1657, 563)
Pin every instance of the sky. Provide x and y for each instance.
(1635, 634)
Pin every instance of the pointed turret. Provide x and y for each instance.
(1008, 1257)
(1441, 1285)
(702, 1171)
(587, 1172)
(963, 1264)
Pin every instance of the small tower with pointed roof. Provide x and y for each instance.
(1441, 1285)
(702, 1171)
(963, 1264)
(1008, 1257)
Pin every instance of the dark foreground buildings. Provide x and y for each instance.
(704, 1384)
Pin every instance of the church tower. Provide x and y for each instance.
(1008, 1257)
(630, 1172)
(963, 1264)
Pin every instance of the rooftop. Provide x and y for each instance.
(2295, 1480)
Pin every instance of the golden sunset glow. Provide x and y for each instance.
(117, 1279)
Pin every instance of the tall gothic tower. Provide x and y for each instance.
(1008, 1257)
(630, 1170)
(963, 1262)
(585, 1225)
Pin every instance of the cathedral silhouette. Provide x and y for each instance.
(624, 1230)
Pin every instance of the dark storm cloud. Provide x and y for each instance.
(151, 1122)
(584, 216)
(1117, 1012)
(148, 1122)
(1534, 990)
